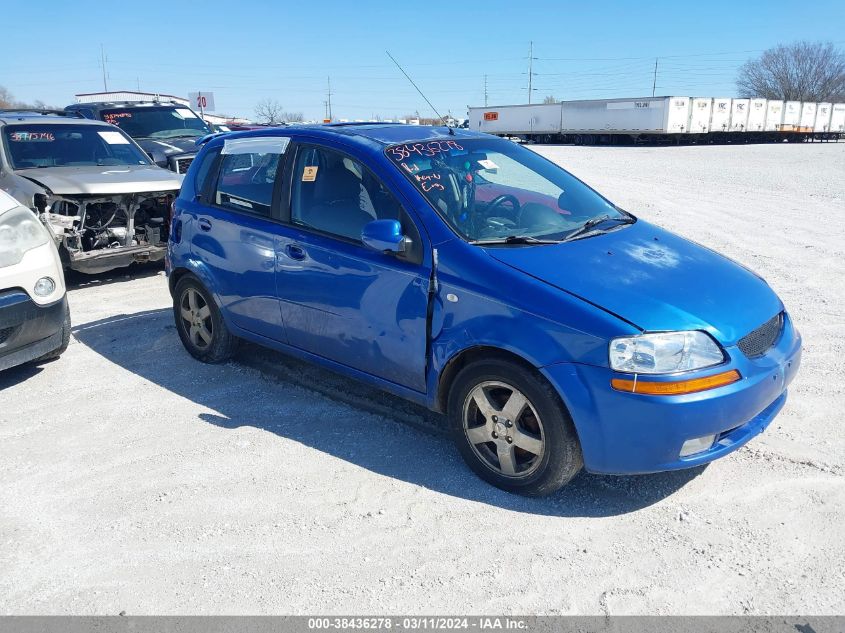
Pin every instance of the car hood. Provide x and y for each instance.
(106, 180)
(169, 146)
(652, 279)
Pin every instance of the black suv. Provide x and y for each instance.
(166, 130)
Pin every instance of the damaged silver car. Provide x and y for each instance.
(100, 196)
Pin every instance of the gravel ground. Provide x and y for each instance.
(136, 479)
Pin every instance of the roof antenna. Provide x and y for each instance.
(449, 127)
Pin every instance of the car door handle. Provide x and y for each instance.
(205, 224)
(295, 252)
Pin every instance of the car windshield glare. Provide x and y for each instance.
(157, 122)
(36, 146)
(492, 190)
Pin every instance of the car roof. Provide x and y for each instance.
(365, 133)
(108, 105)
(24, 116)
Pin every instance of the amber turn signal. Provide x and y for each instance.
(675, 387)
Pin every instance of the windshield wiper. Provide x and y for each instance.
(592, 223)
(514, 239)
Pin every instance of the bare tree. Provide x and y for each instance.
(269, 111)
(804, 71)
(293, 117)
(7, 100)
(549, 99)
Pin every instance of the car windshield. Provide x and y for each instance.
(32, 146)
(494, 190)
(157, 122)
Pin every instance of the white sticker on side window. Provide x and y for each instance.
(256, 145)
(488, 164)
(114, 138)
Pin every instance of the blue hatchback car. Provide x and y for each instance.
(470, 275)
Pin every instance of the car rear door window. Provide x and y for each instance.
(246, 182)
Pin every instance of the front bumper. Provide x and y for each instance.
(102, 260)
(27, 330)
(627, 433)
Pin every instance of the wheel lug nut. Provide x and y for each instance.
(495, 418)
(508, 423)
(495, 435)
(510, 439)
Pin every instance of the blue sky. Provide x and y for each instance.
(247, 51)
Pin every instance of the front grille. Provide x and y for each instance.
(5, 334)
(182, 164)
(759, 341)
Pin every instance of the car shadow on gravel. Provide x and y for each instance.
(419, 452)
(74, 279)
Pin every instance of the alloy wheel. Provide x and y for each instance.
(504, 429)
(196, 317)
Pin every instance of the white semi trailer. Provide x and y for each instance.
(837, 118)
(661, 119)
(756, 115)
(701, 112)
(539, 119)
(774, 115)
(721, 119)
(823, 112)
(739, 115)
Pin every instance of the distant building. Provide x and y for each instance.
(133, 95)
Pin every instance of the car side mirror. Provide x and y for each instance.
(384, 236)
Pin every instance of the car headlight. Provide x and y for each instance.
(20, 231)
(664, 352)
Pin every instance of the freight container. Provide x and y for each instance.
(517, 119)
(721, 119)
(774, 115)
(700, 110)
(791, 115)
(808, 116)
(823, 117)
(756, 115)
(837, 118)
(739, 115)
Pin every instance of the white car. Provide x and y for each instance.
(34, 316)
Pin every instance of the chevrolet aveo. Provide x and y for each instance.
(472, 276)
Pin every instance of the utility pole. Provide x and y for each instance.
(654, 82)
(138, 80)
(485, 91)
(530, 68)
(103, 62)
(329, 98)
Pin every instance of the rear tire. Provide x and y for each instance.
(200, 324)
(512, 429)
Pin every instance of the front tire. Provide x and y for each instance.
(200, 324)
(512, 429)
